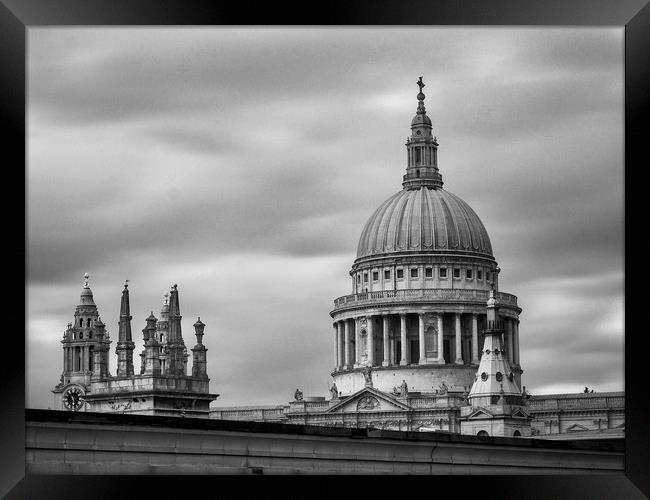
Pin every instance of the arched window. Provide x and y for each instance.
(88, 322)
(516, 434)
(81, 322)
(417, 173)
(81, 335)
(482, 433)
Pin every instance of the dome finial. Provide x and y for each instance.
(86, 276)
(421, 96)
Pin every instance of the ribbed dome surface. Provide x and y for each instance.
(423, 220)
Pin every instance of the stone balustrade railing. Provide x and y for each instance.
(579, 403)
(263, 414)
(425, 295)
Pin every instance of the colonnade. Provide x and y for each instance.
(349, 352)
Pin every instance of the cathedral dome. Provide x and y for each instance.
(423, 220)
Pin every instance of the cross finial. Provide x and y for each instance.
(126, 283)
(420, 84)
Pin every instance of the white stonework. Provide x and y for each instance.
(162, 386)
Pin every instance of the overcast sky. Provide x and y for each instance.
(243, 163)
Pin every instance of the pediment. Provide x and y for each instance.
(519, 413)
(368, 400)
(480, 413)
(576, 428)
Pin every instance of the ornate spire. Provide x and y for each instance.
(199, 364)
(175, 349)
(422, 149)
(125, 344)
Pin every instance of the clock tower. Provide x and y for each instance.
(85, 352)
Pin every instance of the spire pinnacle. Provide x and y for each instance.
(421, 109)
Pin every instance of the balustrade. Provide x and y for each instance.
(426, 294)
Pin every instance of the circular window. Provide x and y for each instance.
(487, 351)
(484, 376)
(499, 376)
(496, 351)
(419, 132)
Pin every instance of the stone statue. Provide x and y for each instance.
(403, 389)
(297, 395)
(442, 388)
(367, 375)
(334, 391)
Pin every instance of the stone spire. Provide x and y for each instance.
(175, 350)
(125, 344)
(199, 352)
(151, 353)
(495, 377)
(422, 149)
(496, 404)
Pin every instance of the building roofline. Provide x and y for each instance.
(125, 419)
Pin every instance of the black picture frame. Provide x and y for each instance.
(18, 15)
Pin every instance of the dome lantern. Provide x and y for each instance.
(422, 150)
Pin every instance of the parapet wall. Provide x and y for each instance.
(60, 442)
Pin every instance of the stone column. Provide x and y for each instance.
(423, 352)
(459, 348)
(474, 339)
(357, 342)
(340, 343)
(441, 344)
(402, 331)
(336, 346)
(348, 354)
(386, 360)
(508, 325)
(515, 342)
(370, 345)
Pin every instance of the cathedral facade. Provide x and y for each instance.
(426, 340)
(162, 386)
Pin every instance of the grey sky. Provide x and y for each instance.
(243, 163)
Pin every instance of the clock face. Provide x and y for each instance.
(73, 399)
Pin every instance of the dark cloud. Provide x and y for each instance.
(243, 164)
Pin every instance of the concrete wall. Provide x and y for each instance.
(85, 443)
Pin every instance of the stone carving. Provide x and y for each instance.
(367, 375)
(442, 388)
(297, 395)
(120, 406)
(401, 390)
(334, 391)
(367, 403)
